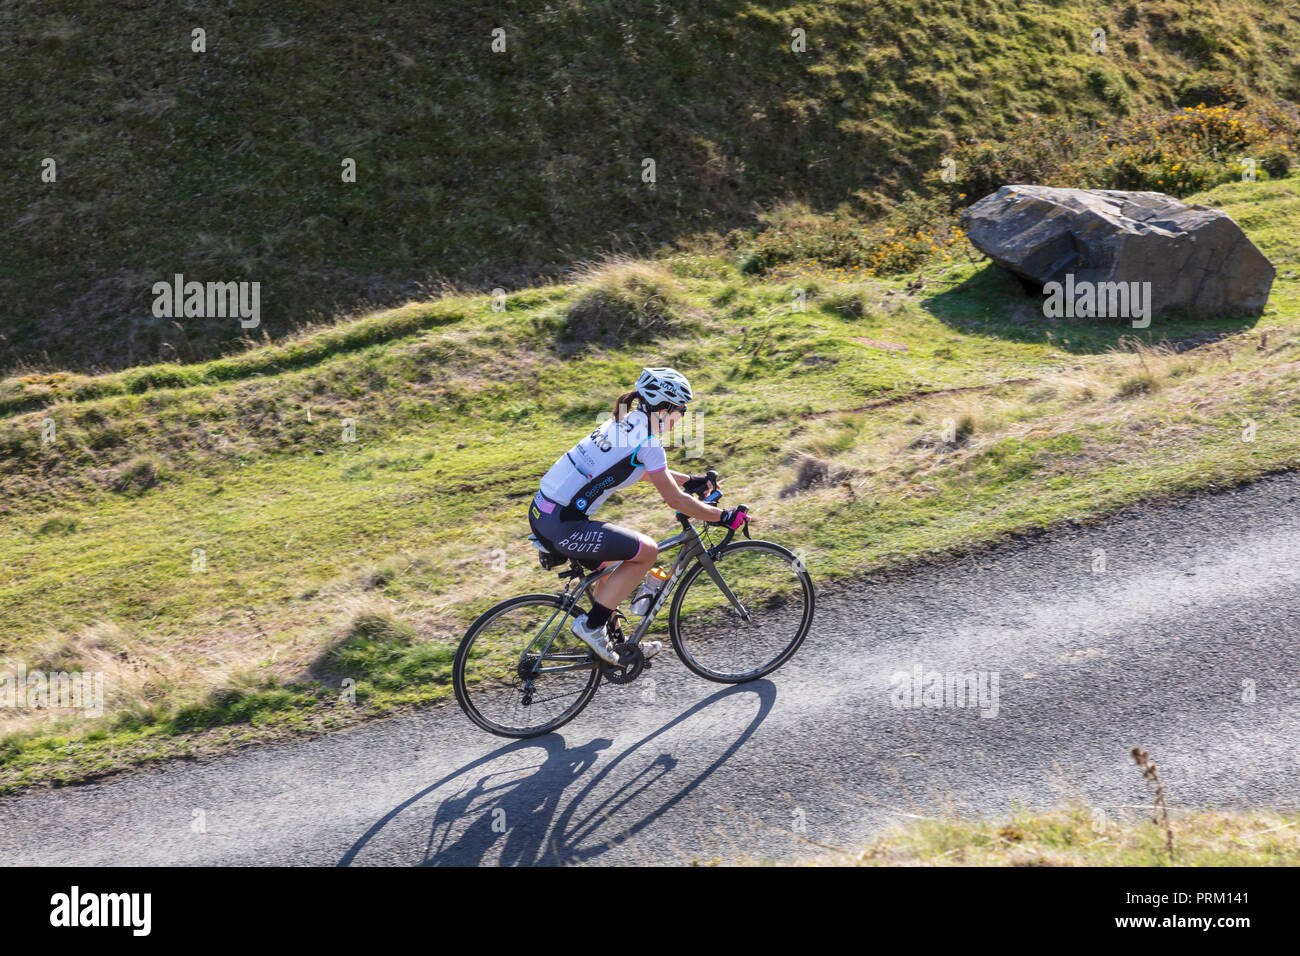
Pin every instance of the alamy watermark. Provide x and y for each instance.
(60, 691)
(208, 300)
(130, 910)
(921, 688)
(1100, 300)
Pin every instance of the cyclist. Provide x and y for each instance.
(618, 453)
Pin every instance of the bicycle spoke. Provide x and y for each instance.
(498, 684)
(715, 640)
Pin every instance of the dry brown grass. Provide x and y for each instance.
(1079, 836)
(903, 444)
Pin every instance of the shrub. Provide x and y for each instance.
(624, 301)
(847, 304)
(1040, 151)
(813, 472)
(910, 234)
(1178, 152)
(726, 296)
(138, 475)
(59, 524)
(1211, 88)
(1140, 383)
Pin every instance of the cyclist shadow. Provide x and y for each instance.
(524, 814)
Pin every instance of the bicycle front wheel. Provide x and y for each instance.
(510, 682)
(731, 645)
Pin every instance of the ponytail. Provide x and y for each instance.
(623, 404)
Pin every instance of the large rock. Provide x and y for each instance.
(1196, 258)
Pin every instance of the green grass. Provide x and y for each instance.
(1078, 837)
(238, 570)
(494, 168)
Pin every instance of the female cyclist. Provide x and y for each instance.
(618, 453)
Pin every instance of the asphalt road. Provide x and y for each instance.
(1186, 644)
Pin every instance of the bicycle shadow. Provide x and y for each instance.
(523, 813)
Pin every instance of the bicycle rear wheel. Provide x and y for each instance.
(513, 694)
(717, 641)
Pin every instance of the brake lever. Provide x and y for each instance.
(731, 533)
(744, 524)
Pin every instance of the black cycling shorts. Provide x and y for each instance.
(569, 532)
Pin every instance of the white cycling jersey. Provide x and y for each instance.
(613, 456)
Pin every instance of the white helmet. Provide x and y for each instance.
(659, 385)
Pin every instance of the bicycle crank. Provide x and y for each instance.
(631, 663)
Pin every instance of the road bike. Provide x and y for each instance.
(739, 610)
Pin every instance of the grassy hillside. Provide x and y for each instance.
(875, 427)
(477, 166)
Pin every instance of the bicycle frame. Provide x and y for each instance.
(690, 546)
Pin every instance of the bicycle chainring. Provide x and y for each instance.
(632, 662)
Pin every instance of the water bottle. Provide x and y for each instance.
(649, 590)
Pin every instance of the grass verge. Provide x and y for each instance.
(1079, 837)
